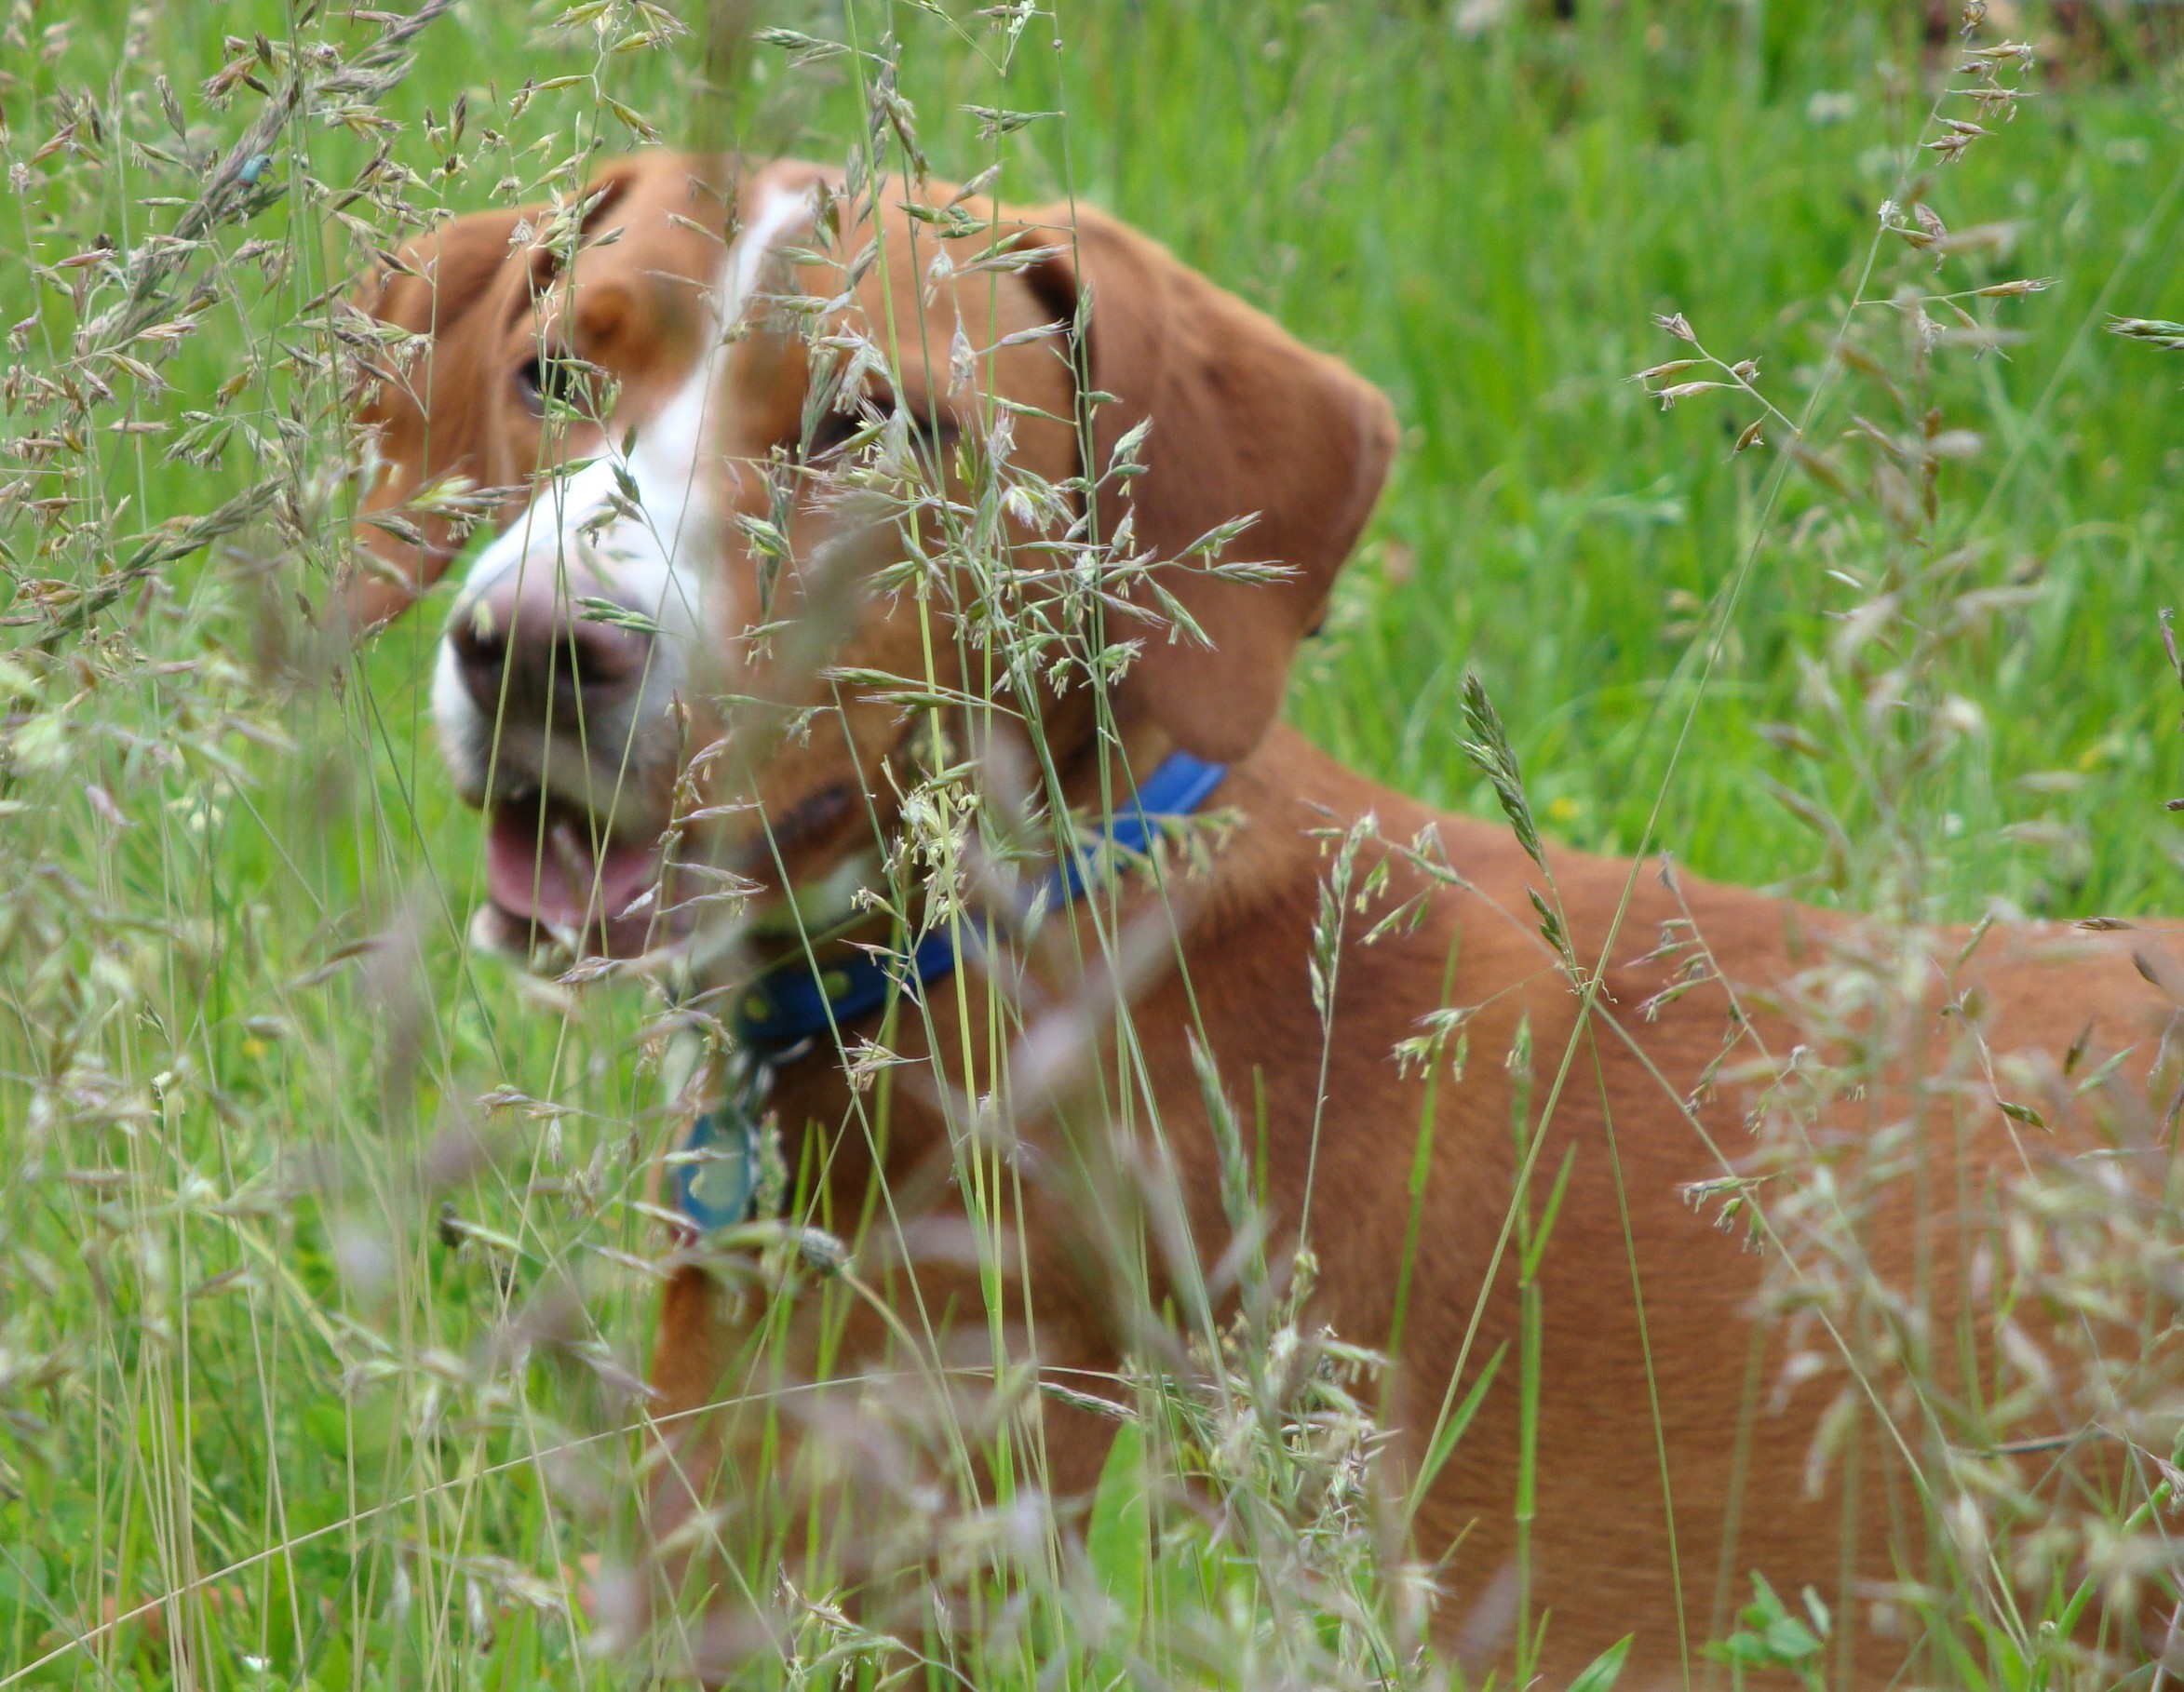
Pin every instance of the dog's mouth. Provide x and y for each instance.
(551, 868)
(555, 873)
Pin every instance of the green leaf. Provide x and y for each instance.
(1599, 1674)
(1446, 1443)
(1773, 1637)
(24, 1584)
(1118, 1536)
(1790, 1640)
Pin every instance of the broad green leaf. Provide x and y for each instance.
(1117, 1539)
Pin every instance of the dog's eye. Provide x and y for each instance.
(837, 432)
(937, 432)
(553, 379)
(833, 432)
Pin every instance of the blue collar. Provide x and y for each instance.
(780, 1013)
(716, 1174)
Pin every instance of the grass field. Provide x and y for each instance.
(249, 1363)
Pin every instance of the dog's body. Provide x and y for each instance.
(1674, 1443)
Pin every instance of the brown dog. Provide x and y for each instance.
(679, 283)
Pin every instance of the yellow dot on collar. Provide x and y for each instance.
(756, 1006)
(834, 984)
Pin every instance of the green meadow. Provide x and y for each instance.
(276, 1190)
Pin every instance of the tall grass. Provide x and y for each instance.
(324, 1262)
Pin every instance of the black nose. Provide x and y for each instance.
(528, 652)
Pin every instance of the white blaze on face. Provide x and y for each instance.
(652, 558)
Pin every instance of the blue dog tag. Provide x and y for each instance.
(715, 1188)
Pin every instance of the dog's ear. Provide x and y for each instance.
(423, 402)
(1245, 420)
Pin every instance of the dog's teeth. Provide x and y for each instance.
(492, 932)
(566, 847)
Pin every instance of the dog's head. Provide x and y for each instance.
(700, 390)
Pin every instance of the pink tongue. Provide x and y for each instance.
(550, 876)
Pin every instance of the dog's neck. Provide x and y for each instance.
(834, 913)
